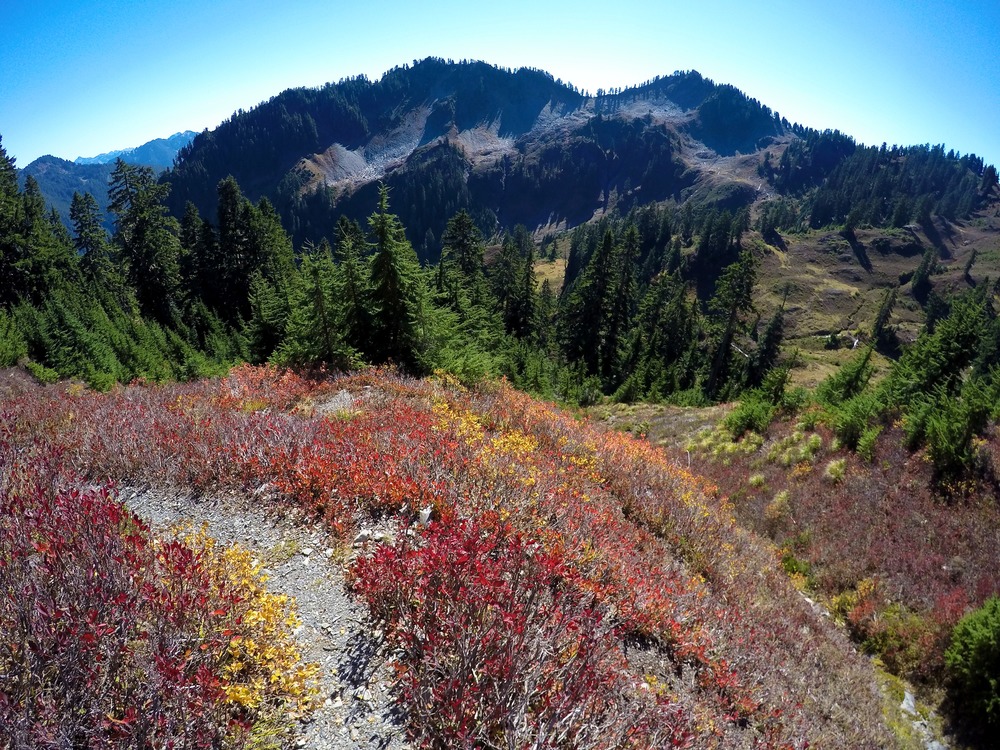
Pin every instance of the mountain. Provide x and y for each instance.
(158, 154)
(58, 178)
(519, 147)
(511, 147)
(840, 222)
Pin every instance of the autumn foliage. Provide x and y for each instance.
(112, 638)
(574, 587)
(895, 560)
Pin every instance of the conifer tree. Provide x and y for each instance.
(462, 245)
(663, 353)
(583, 314)
(732, 301)
(38, 260)
(619, 307)
(314, 331)
(146, 239)
(234, 261)
(91, 243)
(9, 206)
(269, 313)
(352, 282)
(270, 247)
(512, 280)
(765, 356)
(396, 294)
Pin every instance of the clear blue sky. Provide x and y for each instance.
(82, 77)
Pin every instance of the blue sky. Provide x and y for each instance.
(83, 77)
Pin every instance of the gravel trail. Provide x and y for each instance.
(356, 708)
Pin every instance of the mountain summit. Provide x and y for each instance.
(158, 153)
(510, 146)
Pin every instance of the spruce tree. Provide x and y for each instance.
(729, 307)
(462, 256)
(352, 282)
(146, 239)
(91, 243)
(314, 331)
(396, 294)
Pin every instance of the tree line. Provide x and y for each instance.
(825, 180)
(162, 298)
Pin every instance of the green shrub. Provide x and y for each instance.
(13, 346)
(40, 372)
(853, 417)
(849, 381)
(973, 661)
(752, 414)
(867, 441)
(835, 470)
(953, 425)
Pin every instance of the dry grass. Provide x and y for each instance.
(553, 271)
(670, 426)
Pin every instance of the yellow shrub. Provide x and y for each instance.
(262, 667)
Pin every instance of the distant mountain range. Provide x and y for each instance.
(158, 154)
(58, 178)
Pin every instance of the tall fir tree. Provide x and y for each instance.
(396, 295)
(314, 332)
(92, 245)
(147, 240)
(352, 282)
(730, 308)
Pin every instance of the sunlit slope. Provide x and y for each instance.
(574, 587)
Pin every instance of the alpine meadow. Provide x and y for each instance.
(636, 419)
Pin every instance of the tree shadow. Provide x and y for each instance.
(935, 237)
(859, 249)
(774, 239)
(358, 668)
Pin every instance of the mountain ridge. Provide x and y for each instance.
(59, 178)
(497, 142)
(158, 153)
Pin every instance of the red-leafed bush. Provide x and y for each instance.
(496, 649)
(112, 639)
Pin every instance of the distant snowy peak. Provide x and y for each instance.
(158, 153)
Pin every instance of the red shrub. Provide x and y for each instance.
(111, 639)
(497, 650)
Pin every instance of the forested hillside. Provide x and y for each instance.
(510, 147)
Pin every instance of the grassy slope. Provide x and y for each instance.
(836, 287)
(895, 563)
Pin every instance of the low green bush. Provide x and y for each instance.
(973, 661)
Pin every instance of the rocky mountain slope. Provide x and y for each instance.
(509, 146)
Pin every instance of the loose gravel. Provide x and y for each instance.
(356, 706)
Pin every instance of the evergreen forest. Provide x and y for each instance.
(166, 299)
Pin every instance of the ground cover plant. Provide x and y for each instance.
(113, 638)
(896, 557)
(573, 587)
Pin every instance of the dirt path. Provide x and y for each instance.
(356, 709)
